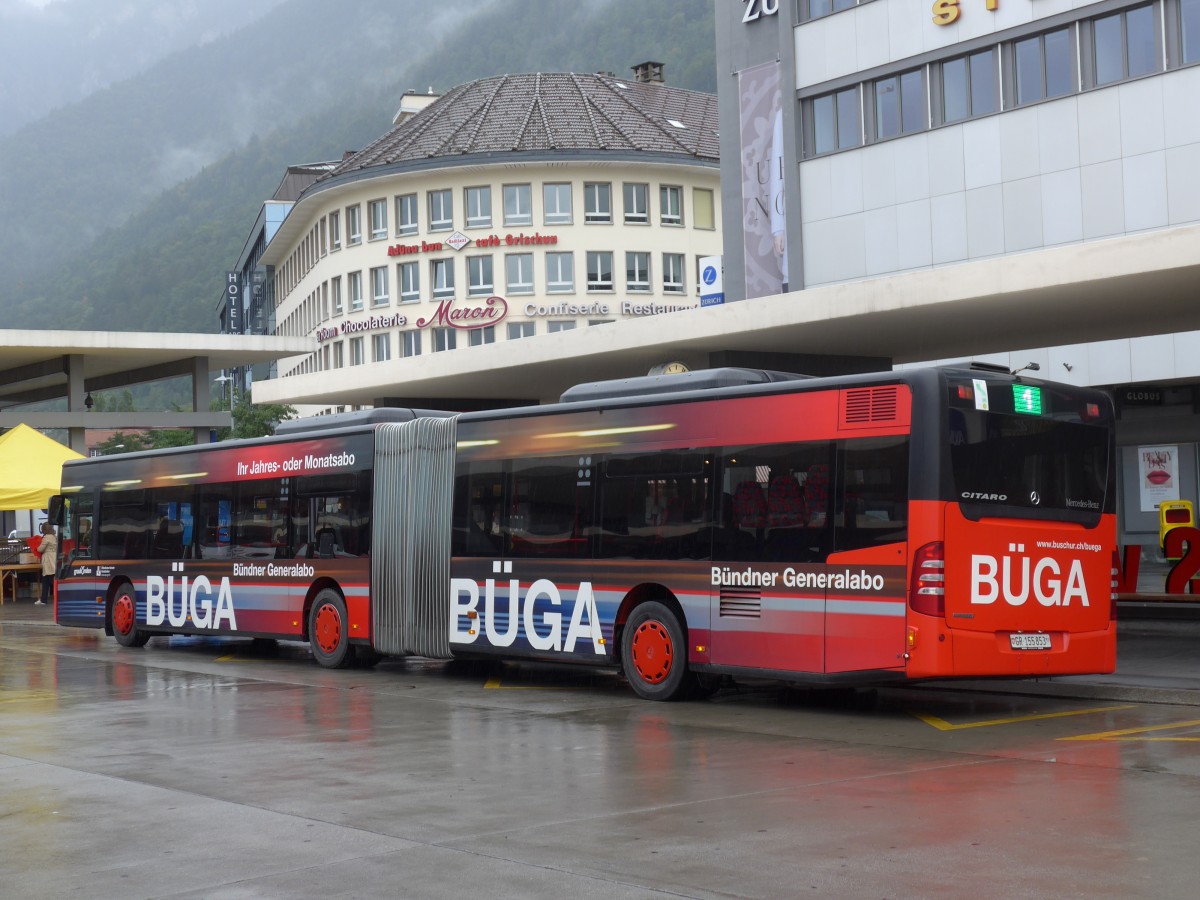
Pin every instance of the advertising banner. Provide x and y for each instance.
(1158, 475)
(764, 225)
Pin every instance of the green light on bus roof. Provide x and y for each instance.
(1027, 399)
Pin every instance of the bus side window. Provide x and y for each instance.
(775, 503)
(872, 496)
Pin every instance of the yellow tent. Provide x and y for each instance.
(30, 468)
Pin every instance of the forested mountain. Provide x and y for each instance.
(148, 189)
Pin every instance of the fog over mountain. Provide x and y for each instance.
(54, 52)
(120, 208)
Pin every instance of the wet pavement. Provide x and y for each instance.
(206, 768)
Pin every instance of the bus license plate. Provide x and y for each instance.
(1029, 641)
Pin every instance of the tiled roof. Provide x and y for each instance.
(555, 112)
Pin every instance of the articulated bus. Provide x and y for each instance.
(930, 523)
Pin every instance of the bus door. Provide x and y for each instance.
(767, 586)
(865, 610)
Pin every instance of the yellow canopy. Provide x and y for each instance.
(30, 468)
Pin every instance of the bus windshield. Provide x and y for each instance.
(1036, 465)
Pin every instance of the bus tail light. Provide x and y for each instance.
(927, 590)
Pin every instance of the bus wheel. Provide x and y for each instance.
(654, 652)
(365, 657)
(327, 631)
(124, 619)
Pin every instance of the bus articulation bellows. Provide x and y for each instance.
(930, 523)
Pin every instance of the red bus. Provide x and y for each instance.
(929, 523)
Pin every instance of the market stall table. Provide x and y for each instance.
(12, 571)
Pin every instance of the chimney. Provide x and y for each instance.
(648, 73)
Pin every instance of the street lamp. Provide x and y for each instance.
(223, 380)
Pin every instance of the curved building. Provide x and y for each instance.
(509, 208)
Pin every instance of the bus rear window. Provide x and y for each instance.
(1043, 467)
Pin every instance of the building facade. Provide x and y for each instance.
(510, 208)
(945, 135)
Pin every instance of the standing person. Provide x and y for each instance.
(49, 551)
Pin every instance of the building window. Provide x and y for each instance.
(444, 339)
(560, 273)
(900, 104)
(1189, 30)
(636, 202)
(410, 343)
(356, 351)
(597, 203)
(637, 272)
(409, 276)
(670, 203)
(354, 285)
(442, 272)
(441, 215)
(518, 269)
(703, 213)
(479, 276)
(477, 337)
(378, 213)
(969, 86)
(599, 270)
(335, 231)
(379, 286)
(353, 225)
(406, 214)
(836, 121)
(339, 356)
(552, 327)
(556, 203)
(815, 9)
(1044, 66)
(324, 235)
(381, 347)
(673, 273)
(518, 204)
(479, 207)
(520, 330)
(335, 291)
(1124, 45)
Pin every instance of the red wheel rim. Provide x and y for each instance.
(653, 652)
(328, 628)
(123, 614)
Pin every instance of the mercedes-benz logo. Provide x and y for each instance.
(1035, 498)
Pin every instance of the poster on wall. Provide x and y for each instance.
(764, 222)
(1158, 475)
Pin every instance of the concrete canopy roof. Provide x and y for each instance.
(34, 364)
(1131, 286)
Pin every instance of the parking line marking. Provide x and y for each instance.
(943, 725)
(1124, 734)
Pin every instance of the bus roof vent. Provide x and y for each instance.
(868, 406)
(699, 380)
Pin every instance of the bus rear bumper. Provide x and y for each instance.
(1009, 654)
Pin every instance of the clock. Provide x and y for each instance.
(670, 368)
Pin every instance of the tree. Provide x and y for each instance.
(250, 420)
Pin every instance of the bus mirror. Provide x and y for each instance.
(54, 510)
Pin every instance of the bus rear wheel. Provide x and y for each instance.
(654, 652)
(123, 616)
(328, 631)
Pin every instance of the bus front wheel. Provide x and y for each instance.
(328, 631)
(123, 616)
(654, 652)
